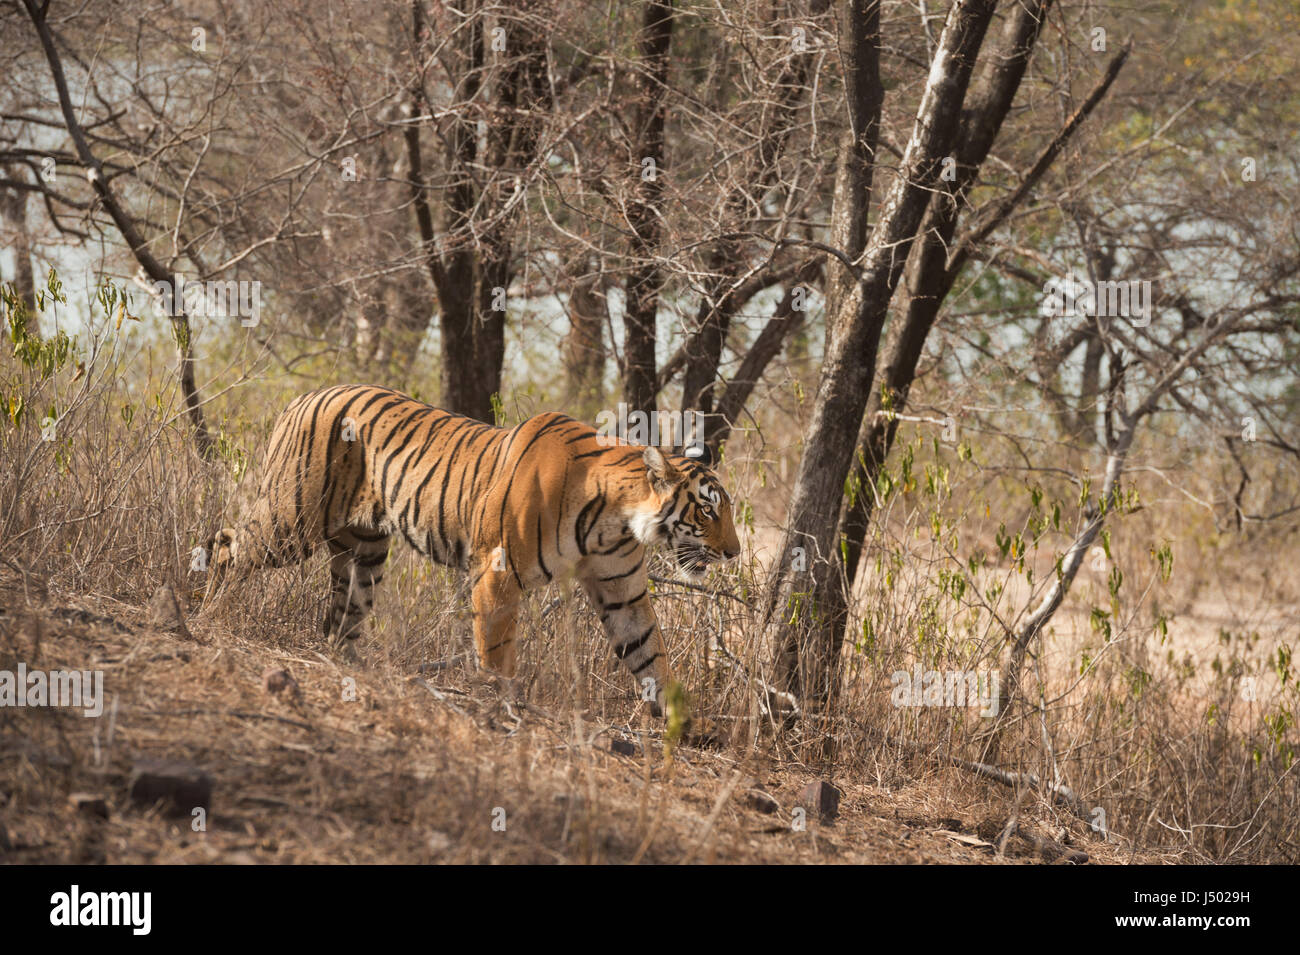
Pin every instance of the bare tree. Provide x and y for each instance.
(726, 288)
(647, 164)
(472, 261)
(584, 344)
(1128, 373)
(127, 224)
(806, 572)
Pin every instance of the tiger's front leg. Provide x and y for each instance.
(633, 631)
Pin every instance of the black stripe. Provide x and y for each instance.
(411, 540)
(618, 545)
(649, 660)
(626, 603)
(414, 464)
(331, 483)
(559, 513)
(510, 559)
(461, 497)
(631, 545)
(541, 561)
(391, 456)
(584, 524)
(302, 462)
(410, 513)
(631, 647)
(627, 573)
(442, 495)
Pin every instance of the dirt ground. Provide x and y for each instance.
(362, 764)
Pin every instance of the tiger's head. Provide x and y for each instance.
(689, 512)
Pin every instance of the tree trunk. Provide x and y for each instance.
(522, 97)
(13, 210)
(454, 269)
(805, 595)
(642, 297)
(473, 272)
(933, 269)
(859, 42)
(583, 350)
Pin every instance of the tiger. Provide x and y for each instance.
(355, 466)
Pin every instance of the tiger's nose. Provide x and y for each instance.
(730, 553)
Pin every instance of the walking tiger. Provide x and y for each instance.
(354, 466)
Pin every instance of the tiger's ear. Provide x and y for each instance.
(662, 474)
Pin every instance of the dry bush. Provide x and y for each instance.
(1174, 729)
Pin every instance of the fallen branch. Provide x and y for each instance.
(712, 592)
(440, 696)
(244, 715)
(1060, 793)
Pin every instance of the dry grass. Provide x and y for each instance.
(96, 521)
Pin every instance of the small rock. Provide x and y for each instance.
(166, 612)
(277, 680)
(89, 804)
(181, 787)
(623, 747)
(822, 797)
(762, 801)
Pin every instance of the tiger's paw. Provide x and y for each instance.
(503, 687)
(345, 648)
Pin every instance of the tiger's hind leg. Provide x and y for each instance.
(356, 568)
